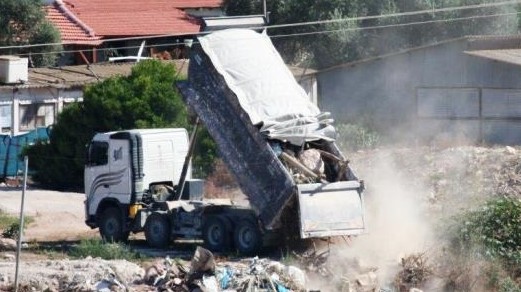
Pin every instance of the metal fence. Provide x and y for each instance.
(11, 162)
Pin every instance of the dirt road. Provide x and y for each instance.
(57, 215)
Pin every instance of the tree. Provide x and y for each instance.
(23, 22)
(333, 43)
(242, 7)
(145, 99)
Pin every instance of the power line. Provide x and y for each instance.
(107, 40)
(350, 19)
(398, 24)
(410, 13)
(300, 33)
(101, 49)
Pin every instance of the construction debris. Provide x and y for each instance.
(367, 282)
(8, 244)
(415, 272)
(314, 261)
(203, 273)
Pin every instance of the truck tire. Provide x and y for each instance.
(247, 237)
(216, 234)
(111, 226)
(157, 230)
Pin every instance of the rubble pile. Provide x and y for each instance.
(449, 178)
(89, 274)
(204, 273)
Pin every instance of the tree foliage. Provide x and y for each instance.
(145, 99)
(332, 43)
(23, 22)
(493, 232)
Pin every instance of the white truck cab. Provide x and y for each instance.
(121, 166)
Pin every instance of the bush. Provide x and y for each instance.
(108, 251)
(493, 233)
(10, 225)
(353, 137)
(497, 226)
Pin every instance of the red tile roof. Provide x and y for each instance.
(112, 18)
(198, 4)
(72, 31)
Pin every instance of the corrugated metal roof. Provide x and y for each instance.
(76, 76)
(512, 56)
(215, 23)
(474, 42)
(80, 75)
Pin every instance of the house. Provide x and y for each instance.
(75, 34)
(101, 28)
(466, 89)
(36, 102)
(29, 108)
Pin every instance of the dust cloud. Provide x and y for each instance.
(396, 220)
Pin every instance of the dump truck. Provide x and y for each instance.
(277, 144)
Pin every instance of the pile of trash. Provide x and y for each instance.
(203, 273)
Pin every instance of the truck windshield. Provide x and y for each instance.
(98, 153)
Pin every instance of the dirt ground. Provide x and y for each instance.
(58, 216)
(411, 194)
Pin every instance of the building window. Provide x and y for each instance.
(5, 118)
(36, 115)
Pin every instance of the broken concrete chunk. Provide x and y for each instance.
(297, 275)
(202, 261)
(368, 282)
(311, 159)
(210, 284)
(510, 150)
(7, 243)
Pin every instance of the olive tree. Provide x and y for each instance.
(23, 22)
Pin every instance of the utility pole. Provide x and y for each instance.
(265, 11)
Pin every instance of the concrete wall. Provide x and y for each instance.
(384, 92)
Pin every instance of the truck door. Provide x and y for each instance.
(119, 164)
(96, 168)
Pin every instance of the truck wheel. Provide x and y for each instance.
(111, 226)
(247, 237)
(216, 234)
(157, 230)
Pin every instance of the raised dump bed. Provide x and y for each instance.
(277, 144)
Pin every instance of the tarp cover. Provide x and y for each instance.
(265, 87)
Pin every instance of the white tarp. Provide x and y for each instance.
(264, 86)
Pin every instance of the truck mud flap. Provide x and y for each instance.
(332, 209)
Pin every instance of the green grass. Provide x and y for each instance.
(108, 251)
(9, 224)
(352, 137)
